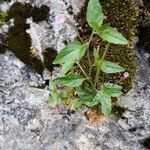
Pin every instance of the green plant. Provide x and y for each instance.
(87, 91)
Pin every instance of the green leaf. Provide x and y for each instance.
(64, 94)
(94, 14)
(72, 80)
(105, 101)
(52, 86)
(111, 89)
(106, 105)
(72, 52)
(86, 95)
(111, 35)
(90, 103)
(67, 66)
(55, 97)
(76, 103)
(96, 57)
(109, 67)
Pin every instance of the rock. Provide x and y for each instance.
(28, 122)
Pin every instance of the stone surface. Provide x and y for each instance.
(28, 122)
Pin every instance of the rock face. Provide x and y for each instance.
(28, 122)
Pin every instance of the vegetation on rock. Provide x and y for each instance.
(19, 41)
(87, 67)
(122, 15)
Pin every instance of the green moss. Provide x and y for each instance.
(40, 14)
(2, 48)
(26, 10)
(2, 1)
(49, 56)
(18, 9)
(19, 42)
(3, 16)
(123, 16)
(118, 111)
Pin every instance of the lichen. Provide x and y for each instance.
(122, 15)
(3, 16)
(19, 41)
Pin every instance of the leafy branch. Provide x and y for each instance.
(88, 92)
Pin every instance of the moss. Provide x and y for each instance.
(2, 48)
(19, 42)
(18, 9)
(26, 10)
(21, 23)
(147, 4)
(49, 56)
(122, 15)
(118, 111)
(40, 14)
(3, 16)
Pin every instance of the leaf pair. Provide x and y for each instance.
(73, 52)
(72, 80)
(55, 97)
(90, 97)
(85, 97)
(106, 66)
(95, 19)
(104, 95)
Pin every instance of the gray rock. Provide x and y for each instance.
(28, 122)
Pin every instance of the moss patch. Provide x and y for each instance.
(19, 42)
(122, 15)
(19, 9)
(3, 16)
(118, 111)
(2, 48)
(40, 14)
(49, 56)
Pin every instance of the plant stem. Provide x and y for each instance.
(82, 70)
(76, 29)
(88, 53)
(88, 45)
(80, 38)
(85, 74)
(100, 64)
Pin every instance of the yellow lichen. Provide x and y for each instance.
(2, 17)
